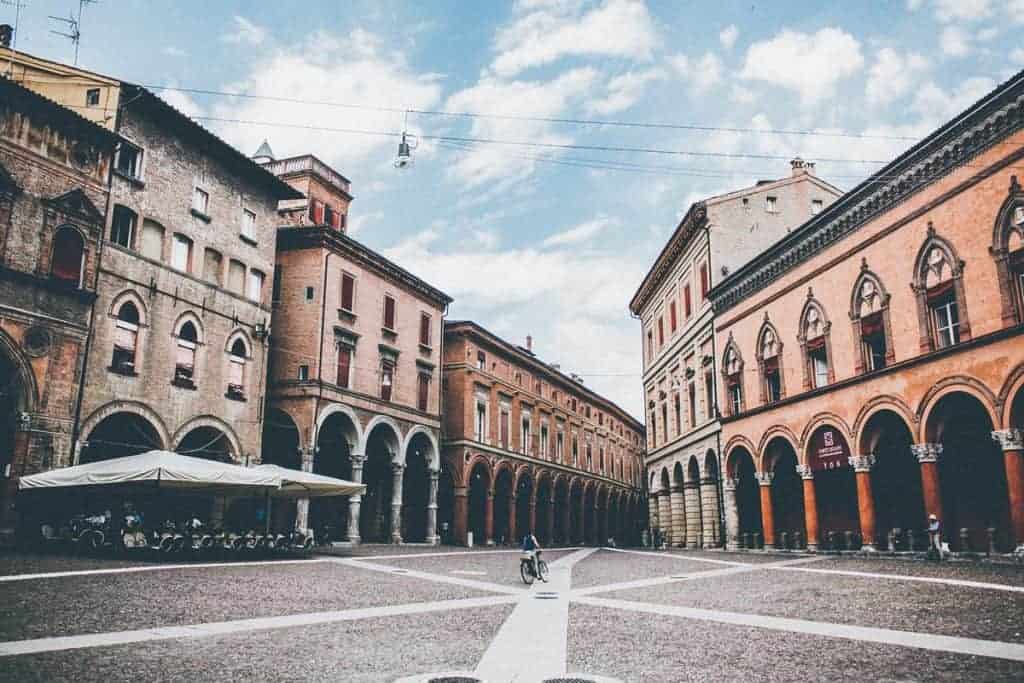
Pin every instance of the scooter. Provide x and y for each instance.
(198, 539)
(168, 539)
(91, 532)
(132, 536)
(300, 540)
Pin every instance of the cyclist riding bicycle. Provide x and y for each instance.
(531, 546)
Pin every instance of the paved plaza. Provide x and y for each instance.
(389, 614)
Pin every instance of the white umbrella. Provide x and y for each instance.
(300, 484)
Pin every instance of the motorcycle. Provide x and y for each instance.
(132, 536)
(91, 532)
(168, 540)
(300, 540)
(197, 537)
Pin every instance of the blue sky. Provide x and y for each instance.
(527, 245)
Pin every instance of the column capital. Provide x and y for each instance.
(764, 478)
(397, 467)
(434, 476)
(805, 471)
(1009, 439)
(357, 459)
(675, 488)
(862, 463)
(926, 452)
(730, 483)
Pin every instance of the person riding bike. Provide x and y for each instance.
(531, 546)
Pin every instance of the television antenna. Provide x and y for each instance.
(74, 25)
(17, 5)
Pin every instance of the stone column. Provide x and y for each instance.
(691, 497)
(810, 506)
(764, 480)
(865, 498)
(677, 505)
(460, 515)
(511, 527)
(432, 537)
(302, 505)
(488, 519)
(652, 511)
(927, 455)
(665, 513)
(732, 513)
(1012, 443)
(355, 501)
(709, 512)
(396, 501)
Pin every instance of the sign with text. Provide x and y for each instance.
(828, 450)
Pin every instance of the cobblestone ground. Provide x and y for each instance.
(383, 613)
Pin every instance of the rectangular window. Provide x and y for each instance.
(705, 284)
(650, 345)
(946, 319)
(200, 200)
(212, 261)
(872, 335)
(249, 224)
(687, 303)
(480, 430)
(348, 292)
(661, 333)
(344, 365)
(122, 226)
(692, 396)
(181, 253)
(423, 393)
(236, 276)
(129, 158)
(152, 242)
(772, 380)
(664, 419)
(329, 215)
(772, 204)
(503, 428)
(481, 360)
(654, 432)
(559, 446)
(275, 291)
(424, 329)
(673, 322)
(816, 206)
(92, 97)
(254, 289)
(543, 441)
(735, 395)
(389, 312)
(709, 394)
(387, 378)
(524, 435)
(819, 365)
(316, 212)
(310, 294)
(303, 373)
(678, 406)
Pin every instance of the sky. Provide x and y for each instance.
(551, 238)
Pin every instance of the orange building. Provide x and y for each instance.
(872, 361)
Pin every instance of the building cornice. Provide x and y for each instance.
(987, 122)
(696, 218)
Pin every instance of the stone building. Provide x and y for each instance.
(715, 237)
(528, 448)
(873, 361)
(54, 167)
(354, 385)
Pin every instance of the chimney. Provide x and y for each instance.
(801, 167)
(529, 343)
(6, 33)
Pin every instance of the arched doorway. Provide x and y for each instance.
(416, 488)
(590, 514)
(576, 512)
(895, 476)
(972, 475)
(335, 439)
(694, 505)
(835, 487)
(12, 403)
(563, 510)
(787, 493)
(748, 498)
(503, 487)
(544, 510)
(524, 495)
(123, 434)
(281, 447)
(479, 490)
(712, 501)
(614, 529)
(446, 504)
(375, 523)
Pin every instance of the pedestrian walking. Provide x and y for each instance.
(934, 536)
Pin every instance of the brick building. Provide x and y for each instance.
(54, 167)
(715, 237)
(354, 386)
(527, 447)
(873, 358)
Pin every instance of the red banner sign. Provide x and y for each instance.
(828, 450)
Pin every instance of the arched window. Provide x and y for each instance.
(68, 256)
(815, 345)
(769, 360)
(185, 356)
(732, 373)
(1008, 252)
(126, 335)
(938, 284)
(575, 451)
(236, 370)
(869, 311)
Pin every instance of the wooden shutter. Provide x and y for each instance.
(424, 389)
(316, 211)
(703, 281)
(348, 290)
(425, 329)
(686, 300)
(389, 313)
(344, 361)
(673, 321)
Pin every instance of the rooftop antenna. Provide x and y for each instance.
(405, 147)
(17, 5)
(74, 25)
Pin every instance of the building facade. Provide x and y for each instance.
(354, 380)
(715, 237)
(54, 168)
(528, 448)
(873, 361)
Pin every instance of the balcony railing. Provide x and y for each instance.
(307, 162)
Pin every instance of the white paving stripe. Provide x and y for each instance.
(439, 578)
(25, 647)
(532, 643)
(924, 641)
(907, 577)
(413, 556)
(677, 556)
(153, 568)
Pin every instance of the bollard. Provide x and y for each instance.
(991, 540)
(965, 541)
(784, 538)
(894, 539)
(798, 540)
(910, 539)
(757, 540)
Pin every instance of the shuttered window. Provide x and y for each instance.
(348, 291)
(424, 329)
(344, 365)
(423, 393)
(389, 312)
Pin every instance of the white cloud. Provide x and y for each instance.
(936, 105)
(1017, 56)
(624, 91)
(954, 41)
(741, 95)
(728, 35)
(333, 68)
(581, 233)
(962, 10)
(703, 74)
(246, 32)
(182, 102)
(547, 32)
(914, 5)
(172, 51)
(811, 64)
(893, 74)
(1015, 10)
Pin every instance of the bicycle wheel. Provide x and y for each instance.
(542, 569)
(525, 573)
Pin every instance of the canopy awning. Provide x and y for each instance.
(162, 468)
(300, 484)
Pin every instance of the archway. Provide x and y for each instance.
(895, 477)
(119, 435)
(206, 442)
(524, 495)
(563, 510)
(503, 487)
(12, 403)
(335, 439)
(971, 473)
(375, 512)
(446, 504)
(590, 515)
(614, 530)
(835, 486)
(576, 512)
(281, 447)
(786, 492)
(416, 488)
(479, 490)
(748, 498)
(694, 505)
(711, 493)
(544, 510)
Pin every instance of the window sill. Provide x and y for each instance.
(245, 238)
(183, 383)
(200, 215)
(346, 315)
(122, 372)
(234, 397)
(389, 333)
(137, 183)
(426, 349)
